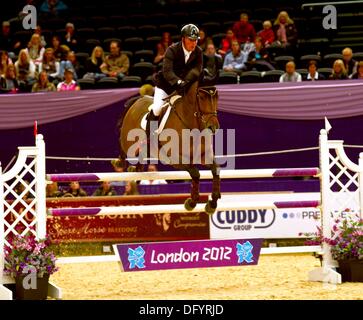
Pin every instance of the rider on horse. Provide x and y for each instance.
(182, 65)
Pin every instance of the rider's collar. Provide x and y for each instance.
(186, 53)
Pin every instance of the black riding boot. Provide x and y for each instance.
(151, 117)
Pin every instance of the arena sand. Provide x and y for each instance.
(275, 277)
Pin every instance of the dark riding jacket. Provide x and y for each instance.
(174, 68)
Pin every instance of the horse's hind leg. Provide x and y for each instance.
(211, 205)
(191, 202)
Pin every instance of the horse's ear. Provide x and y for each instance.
(212, 91)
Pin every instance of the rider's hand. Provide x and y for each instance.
(180, 86)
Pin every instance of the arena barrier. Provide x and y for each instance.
(336, 170)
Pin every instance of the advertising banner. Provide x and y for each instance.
(188, 254)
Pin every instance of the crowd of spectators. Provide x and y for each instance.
(53, 66)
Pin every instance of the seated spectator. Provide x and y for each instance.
(131, 188)
(313, 74)
(94, 63)
(212, 63)
(152, 168)
(35, 50)
(25, 68)
(203, 40)
(118, 167)
(52, 8)
(70, 39)
(60, 51)
(43, 84)
(145, 90)
(259, 54)
(116, 63)
(9, 83)
(349, 63)
(52, 190)
(70, 63)
(235, 60)
(339, 71)
(359, 73)
(105, 189)
(5, 62)
(267, 35)
(68, 84)
(226, 43)
(290, 75)
(75, 190)
(38, 30)
(243, 30)
(7, 42)
(161, 47)
(285, 31)
(50, 65)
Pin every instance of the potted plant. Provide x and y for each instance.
(30, 262)
(346, 245)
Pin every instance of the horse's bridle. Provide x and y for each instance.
(199, 114)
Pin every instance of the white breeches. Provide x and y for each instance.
(159, 95)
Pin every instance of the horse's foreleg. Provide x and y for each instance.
(211, 205)
(191, 202)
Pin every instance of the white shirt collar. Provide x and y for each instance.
(316, 76)
(186, 54)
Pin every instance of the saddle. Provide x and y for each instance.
(165, 112)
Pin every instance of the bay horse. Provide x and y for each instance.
(196, 111)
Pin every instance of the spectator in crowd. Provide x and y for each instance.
(70, 39)
(52, 190)
(105, 189)
(117, 167)
(43, 84)
(94, 63)
(349, 63)
(359, 73)
(38, 30)
(290, 75)
(226, 43)
(212, 63)
(69, 84)
(116, 63)
(313, 74)
(131, 188)
(70, 63)
(52, 8)
(25, 69)
(203, 40)
(243, 30)
(161, 47)
(260, 55)
(50, 65)
(152, 168)
(285, 31)
(60, 51)
(35, 50)
(7, 42)
(75, 190)
(236, 59)
(5, 62)
(339, 71)
(266, 34)
(9, 83)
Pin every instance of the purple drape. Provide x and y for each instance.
(291, 101)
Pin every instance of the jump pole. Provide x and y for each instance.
(183, 175)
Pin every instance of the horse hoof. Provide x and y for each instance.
(131, 169)
(189, 204)
(210, 207)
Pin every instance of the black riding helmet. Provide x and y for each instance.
(191, 31)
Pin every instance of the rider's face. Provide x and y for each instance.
(189, 44)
